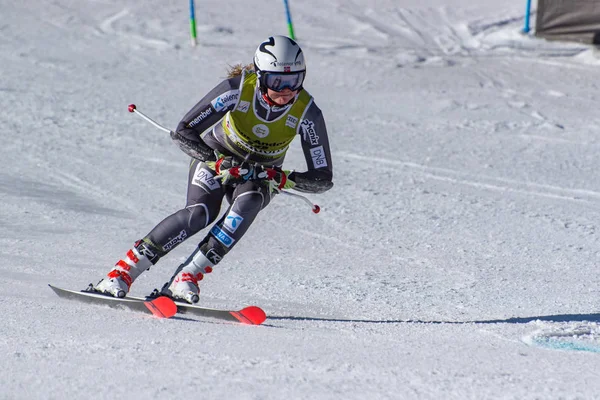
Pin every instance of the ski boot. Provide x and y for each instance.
(119, 279)
(184, 283)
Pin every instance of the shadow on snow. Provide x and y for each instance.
(513, 320)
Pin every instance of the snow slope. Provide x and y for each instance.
(456, 257)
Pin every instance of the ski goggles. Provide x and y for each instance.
(279, 82)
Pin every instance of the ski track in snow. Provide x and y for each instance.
(91, 191)
(435, 37)
(109, 27)
(488, 183)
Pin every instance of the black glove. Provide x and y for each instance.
(311, 182)
(197, 150)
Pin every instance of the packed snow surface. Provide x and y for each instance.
(456, 256)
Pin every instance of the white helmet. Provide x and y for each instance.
(279, 64)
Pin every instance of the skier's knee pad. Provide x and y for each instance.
(250, 203)
(198, 218)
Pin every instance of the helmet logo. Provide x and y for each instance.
(285, 64)
(276, 63)
(271, 43)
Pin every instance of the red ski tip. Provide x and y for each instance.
(316, 209)
(250, 315)
(131, 107)
(162, 307)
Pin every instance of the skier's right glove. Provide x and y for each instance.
(229, 169)
(222, 163)
(197, 150)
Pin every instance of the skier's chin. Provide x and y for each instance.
(281, 98)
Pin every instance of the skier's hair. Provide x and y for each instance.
(236, 70)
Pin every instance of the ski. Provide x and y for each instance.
(251, 315)
(161, 307)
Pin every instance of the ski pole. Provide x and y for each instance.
(239, 172)
(315, 207)
(133, 109)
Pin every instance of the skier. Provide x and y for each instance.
(237, 136)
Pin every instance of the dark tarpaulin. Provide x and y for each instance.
(570, 20)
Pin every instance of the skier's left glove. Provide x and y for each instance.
(278, 179)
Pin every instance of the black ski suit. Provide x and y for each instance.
(199, 134)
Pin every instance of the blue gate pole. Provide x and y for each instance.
(193, 23)
(527, 28)
(289, 19)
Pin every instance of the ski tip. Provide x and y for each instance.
(162, 307)
(251, 315)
